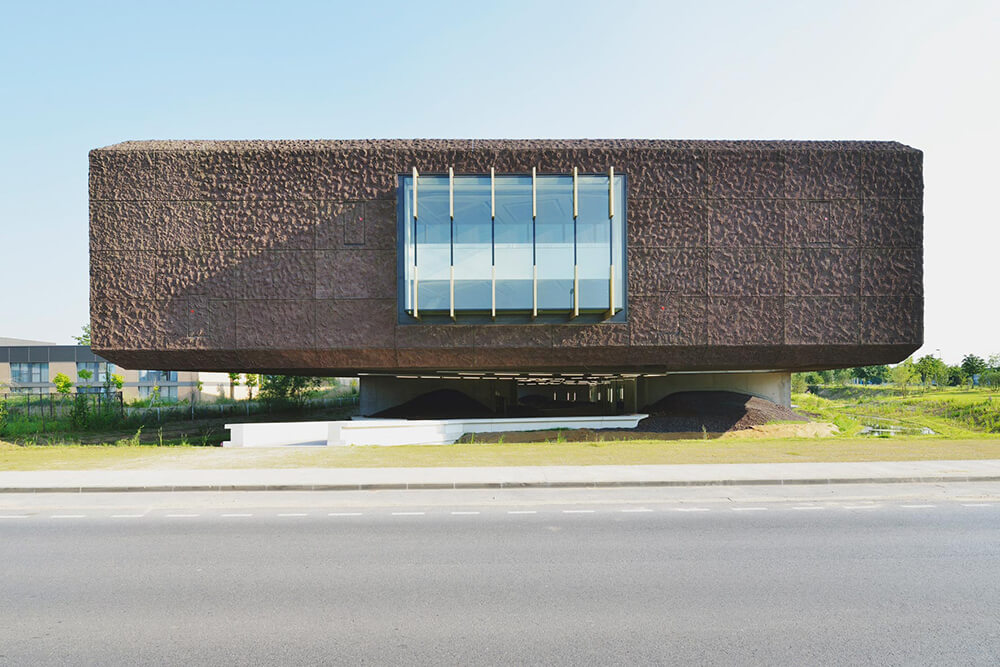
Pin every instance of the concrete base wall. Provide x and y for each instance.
(776, 387)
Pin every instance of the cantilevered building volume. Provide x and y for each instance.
(614, 271)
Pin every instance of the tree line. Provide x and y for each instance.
(928, 370)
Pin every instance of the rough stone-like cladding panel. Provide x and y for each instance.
(892, 174)
(275, 324)
(667, 173)
(123, 225)
(823, 224)
(665, 319)
(125, 324)
(144, 175)
(355, 273)
(259, 175)
(821, 272)
(213, 323)
(435, 336)
(747, 223)
(118, 275)
(892, 271)
(822, 320)
(216, 274)
(667, 223)
(745, 272)
(355, 323)
(892, 223)
(745, 320)
(530, 335)
(817, 174)
(734, 174)
(590, 335)
(259, 225)
(655, 270)
(892, 319)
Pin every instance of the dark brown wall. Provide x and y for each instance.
(282, 256)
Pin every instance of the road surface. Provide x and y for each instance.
(588, 577)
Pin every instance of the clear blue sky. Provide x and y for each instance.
(80, 75)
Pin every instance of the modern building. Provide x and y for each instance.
(30, 366)
(606, 273)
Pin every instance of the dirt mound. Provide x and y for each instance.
(440, 404)
(712, 411)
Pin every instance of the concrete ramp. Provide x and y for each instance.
(390, 432)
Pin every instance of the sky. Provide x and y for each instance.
(80, 75)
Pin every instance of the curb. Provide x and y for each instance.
(498, 485)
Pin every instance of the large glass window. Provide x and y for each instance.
(503, 245)
(157, 376)
(24, 373)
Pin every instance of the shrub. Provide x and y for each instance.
(3, 416)
(79, 414)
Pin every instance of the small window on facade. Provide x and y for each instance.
(28, 373)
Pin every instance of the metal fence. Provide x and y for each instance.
(54, 405)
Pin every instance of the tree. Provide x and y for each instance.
(234, 381)
(118, 381)
(286, 388)
(84, 338)
(990, 378)
(932, 370)
(826, 377)
(252, 381)
(63, 383)
(903, 374)
(994, 361)
(871, 374)
(84, 374)
(842, 376)
(799, 384)
(973, 366)
(956, 376)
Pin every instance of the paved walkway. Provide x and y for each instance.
(355, 479)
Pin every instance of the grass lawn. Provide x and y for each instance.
(733, 450)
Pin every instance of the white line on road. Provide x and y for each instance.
(860, 507)
(808, 507)
(691, 509)
(977, 504)
(13, 516)
(230, 516)
(408, 513)
(68, 516)
(182, 516)
(522, 512)
(578, 511)
(637, 509)
(464, 513)
(286, 514)
(749, 509)
(126, 516)
(344, 514)
(917, 507)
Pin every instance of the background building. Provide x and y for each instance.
(614, 272)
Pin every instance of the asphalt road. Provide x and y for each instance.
(549, 579)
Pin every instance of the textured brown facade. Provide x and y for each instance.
(281, 256)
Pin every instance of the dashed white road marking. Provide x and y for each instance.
(127, 516)
(749, 509)
(977, 504)
(691, 509)
(235, 515)
(861, 507)
(288, 514)
(636, 509)
(13, 516)
(578, 511)
(917, 507)
(464, 513)
(408, 513)
(182, 516)
(68, 516)
(809, 507)
(522, 512)
(344, 514)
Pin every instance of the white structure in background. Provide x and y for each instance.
(389, 432)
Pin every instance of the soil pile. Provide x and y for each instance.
(440, 404)
(713, 411)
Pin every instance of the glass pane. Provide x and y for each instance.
(513, 249)
(473, 243)
(554, 242)
(593, 242)
(433, 248)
